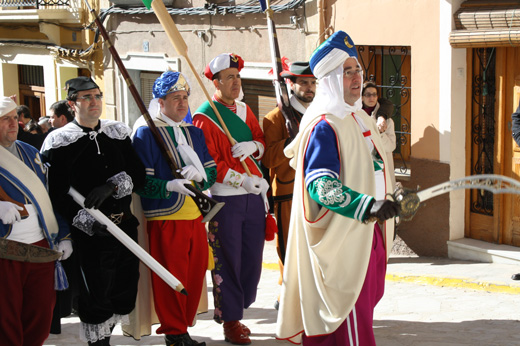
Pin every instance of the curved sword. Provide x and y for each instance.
(410, 199)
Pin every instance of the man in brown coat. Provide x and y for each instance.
(303, 88)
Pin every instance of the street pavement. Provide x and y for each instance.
(427, 302)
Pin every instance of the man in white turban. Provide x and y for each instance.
(335, 262)
(27, 292)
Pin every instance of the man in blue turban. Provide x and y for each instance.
(335, 262)
(176, 234)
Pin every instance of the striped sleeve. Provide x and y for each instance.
(322, 167)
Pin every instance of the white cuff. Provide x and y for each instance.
(261, 150)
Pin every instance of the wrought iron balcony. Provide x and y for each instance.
(33, 4)
(62, 11)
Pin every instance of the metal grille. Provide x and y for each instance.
(34, 3)
(31, 75)
(389, 67)
(483, 125)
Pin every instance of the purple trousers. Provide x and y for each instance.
(357, 330)
(237, 236)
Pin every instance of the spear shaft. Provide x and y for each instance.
(207, 206)
(282, 96)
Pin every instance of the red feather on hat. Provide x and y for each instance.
(286, 64)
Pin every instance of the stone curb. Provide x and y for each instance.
(465, 283)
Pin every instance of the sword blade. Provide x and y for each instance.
(21, 252)
(490, 182)
(144, 256)
(410, 199)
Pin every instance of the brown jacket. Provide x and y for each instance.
(281, 174)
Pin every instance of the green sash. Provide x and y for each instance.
(238, 129)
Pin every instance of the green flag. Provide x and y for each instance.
(147, 3)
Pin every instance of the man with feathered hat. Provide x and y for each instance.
(237, 232)
(27, 292)
(302, 84)
(176, 234)
(96, 157)
(336, 261)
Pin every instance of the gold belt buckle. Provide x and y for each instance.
(116, 218)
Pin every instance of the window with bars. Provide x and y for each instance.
(147, 80)
(389, 67)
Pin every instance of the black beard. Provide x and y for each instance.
(303, 99)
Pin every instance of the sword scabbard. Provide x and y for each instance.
(6, 198)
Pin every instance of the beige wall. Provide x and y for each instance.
(406, 23)
(9, 77)
(245, 35)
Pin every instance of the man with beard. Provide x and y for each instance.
(96, 157)
(303, 88)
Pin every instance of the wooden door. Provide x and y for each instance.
(512, 202)
(493, 95)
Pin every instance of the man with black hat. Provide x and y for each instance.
(96, 157)
(237, 232)
(336, 260)
(173, 219)
(302, 83)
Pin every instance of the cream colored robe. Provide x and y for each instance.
(327, 253)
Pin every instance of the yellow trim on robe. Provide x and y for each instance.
(189, 211)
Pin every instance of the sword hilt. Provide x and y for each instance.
(408, 200)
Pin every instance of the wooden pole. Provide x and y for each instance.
(208, 206)
(180, 46)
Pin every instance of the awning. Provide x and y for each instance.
(487, 23)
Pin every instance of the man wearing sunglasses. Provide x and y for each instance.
(96, 157)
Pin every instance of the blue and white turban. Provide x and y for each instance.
(327, 65)
(168, 83)
(332, 53)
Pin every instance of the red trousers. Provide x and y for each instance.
(27, 299)
(182, 248)
(356, 330)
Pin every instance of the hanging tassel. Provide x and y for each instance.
(270, 227)
(60, 278)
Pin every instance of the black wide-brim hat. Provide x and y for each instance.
(79, 84)
(298, 69)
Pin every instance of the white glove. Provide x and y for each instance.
(264, 185)
(191, 173)
(65, 246)
(252, 184)
(244, 149)
(9, 212)
(177, 185)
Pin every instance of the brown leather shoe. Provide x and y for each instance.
(234, 333)
(246, 330)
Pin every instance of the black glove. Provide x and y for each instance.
(384, 209)
(97, 196)
(100, 229)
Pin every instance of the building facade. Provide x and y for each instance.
(449, 66)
